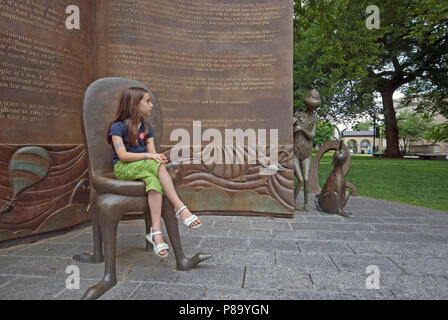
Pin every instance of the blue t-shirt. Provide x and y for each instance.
(120, 129)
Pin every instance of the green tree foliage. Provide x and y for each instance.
(324, 132)
(438, 133)
(363, 125)
(351, 64)
(412, 127)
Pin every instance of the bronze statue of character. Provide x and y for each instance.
(334, 194)
(305, 125)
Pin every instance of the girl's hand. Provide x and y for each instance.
(158, 157)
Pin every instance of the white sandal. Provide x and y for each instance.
(187, 222)
(159, 247)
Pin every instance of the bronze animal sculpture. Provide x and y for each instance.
(334, 194)
(110, 198)
(305, 125)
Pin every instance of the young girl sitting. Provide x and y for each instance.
(135, 158)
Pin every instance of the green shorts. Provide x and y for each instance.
(147, 171)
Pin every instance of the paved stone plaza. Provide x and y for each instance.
(313, 256)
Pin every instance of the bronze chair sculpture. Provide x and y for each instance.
(110, 198)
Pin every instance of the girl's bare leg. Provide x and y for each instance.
(170, 191)
(155, 204)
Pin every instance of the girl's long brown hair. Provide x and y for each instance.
(127, 111)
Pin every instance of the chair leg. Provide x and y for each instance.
(108, 226)
(97, 256)
(183, 263)
(148, 224)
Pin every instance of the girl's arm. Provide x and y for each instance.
(151, 148)
(122, 154)
(126, 156)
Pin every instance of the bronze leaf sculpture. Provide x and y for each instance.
(305, 125)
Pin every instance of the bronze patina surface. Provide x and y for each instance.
(226, 64)
(44, 71)
(110, 198)
(305, 126)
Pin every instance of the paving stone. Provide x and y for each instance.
(350, 227)
(431, 229)
(271, 225)
(417, 287)
(394, 228)
(247, 258)
(38, 266)
(362, 219)
(42, 288)
(154, 273)
(398, 249)
(222, 242)
(223, 293)
(435, 222)
(312, 295)
(6, 279)
(233, 224)
(401, 237)
(324, 218)
(210, 232)
(423, 265)
(323, 247)
(311, 226)
(160, 291)
(273, 245)
(254, 233)
(350, 283)
(122, 291)
(306, 262)
(51, 249)
(338, 235)
(358, 264)
(271, 257)
(76, 294)
(7, 261)
(435, 214)
(293, 235)
(221, 275)
(407, 221)
(405, 213)
(190, 241)
(276, 278)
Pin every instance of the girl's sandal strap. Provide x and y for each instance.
(180, 210)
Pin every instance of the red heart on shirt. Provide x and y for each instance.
(142, 135)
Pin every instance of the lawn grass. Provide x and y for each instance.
(417, 182)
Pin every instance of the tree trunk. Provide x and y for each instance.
(390, 120)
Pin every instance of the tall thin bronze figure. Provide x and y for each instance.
(305, 125)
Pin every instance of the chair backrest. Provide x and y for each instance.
(100, 104)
